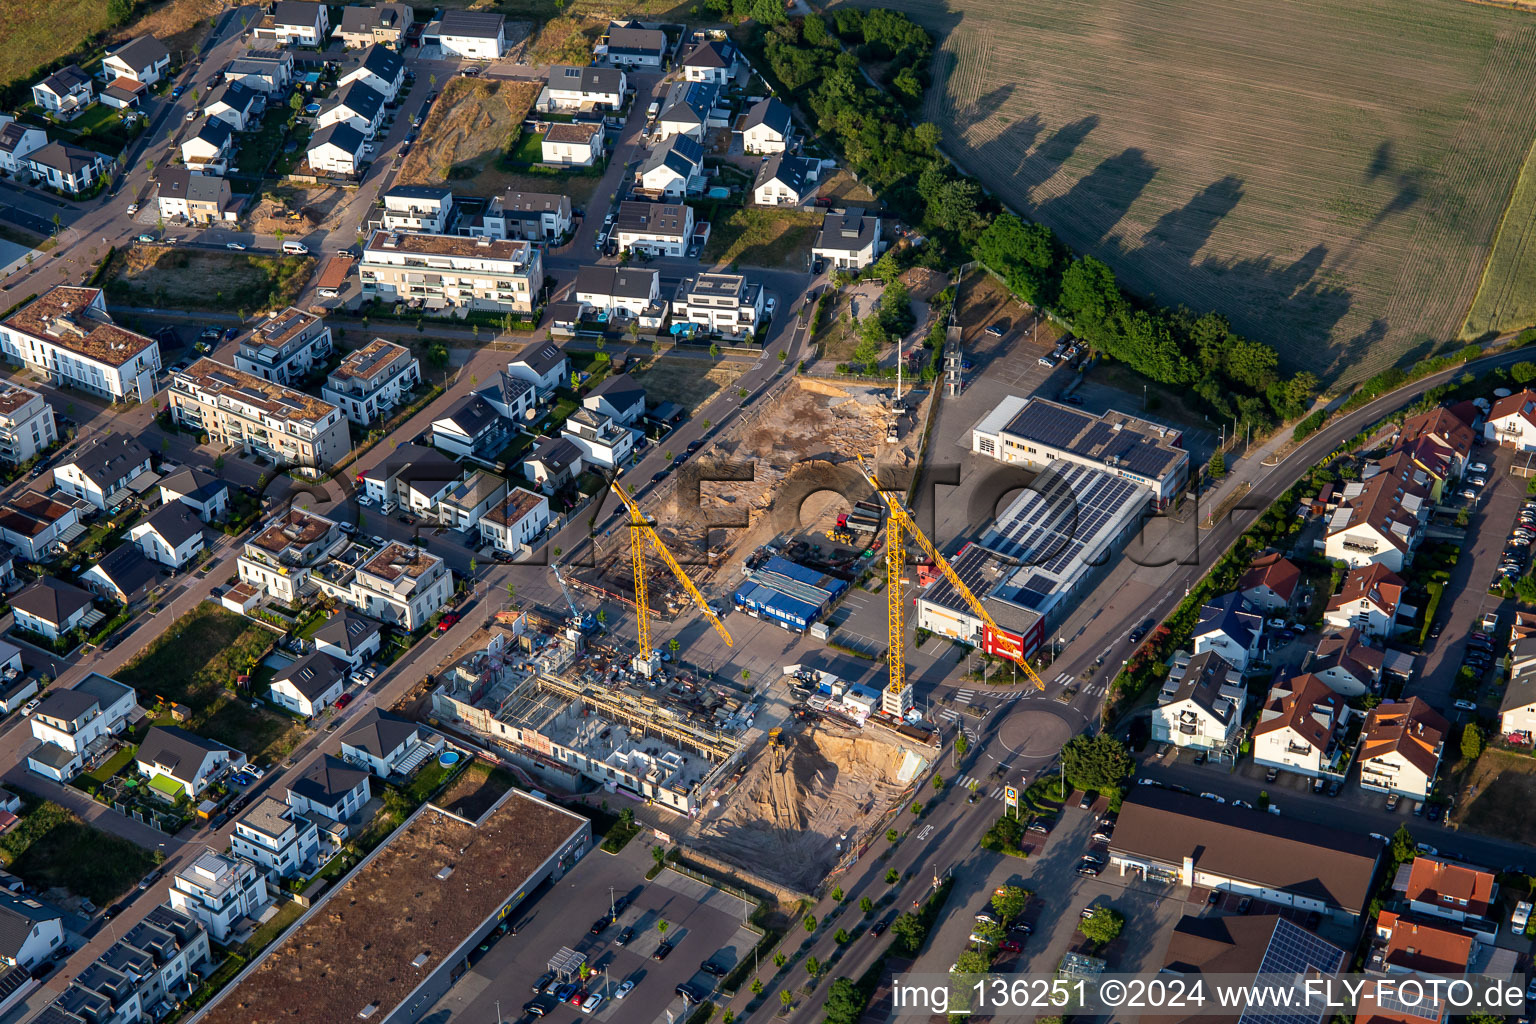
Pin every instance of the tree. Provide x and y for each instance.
(602, 616)
(768, 12)
(1102, 926)
(891, 835)
(845, 1004)
(812, 967)
(473, 565)
(907, 86)
(779, 959)
(938, 782)
(866, 905)
(785, 999)
(972, 962)
(1523, 372)
(1218, 464)
(909, 932)
(437, 354)
(662, 926)
(962, 744)
(714, 351)
(1009, 902)
(1099, 762)
(837, 894)
(627, 819)
(928, 135)
(809, 922)
(659, 856)
(757, 986)
(1471, 741)
(673, 645)
(892, 877)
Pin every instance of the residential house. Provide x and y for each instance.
(237, 106)
(1347, 662)
(1512, 421)
(768, 127)
(402, 585)
(687, 109)
(577, 89)
(26, 424)
(515, 523)
(554, 463)
(1371, 601)
(381, 69)
(295, 23)
(372, 381)
(33, 523)
(621, 293)
(336, 149)
(310, 685)
(67, 336)
(30, 933)
(268, 71)
(619, 398)
(330, 787)
(1301, 727)
(1201, 705)
(65, 94)
(785, 180)
(1440, 441)
(542, 364)
(1517, 708)
(472, 35)
(672, 170)
(68, 169)
(710, 60)
(472, 426)
(197, 489)
(122, 93)
(664, 229)
(123, 575)
(172, 535)
(849, 239)
(144, 59)
(631, 44)
(1438, 887)
(578, 144)
(602, 441)
(411, 477)
(348, 637)
(76, 724)
(180, 763)
(534, 216)
(1227, 627)
(446, 272)
(1400, 748)
(283, 554)
(463, 507)
(237, 408)
(427, 209)
(275, 837)
(285, 347)
(1215, 947)
(387, 744)
(220, 891)
(207, 149)
(17, 142)
(381, 24)
(157, 963)
(50, 607)
(723, 304)
(357, 105)
(1408, 944)
(1379, 519)
(1271, 584)
(102, 470)
(197, 198)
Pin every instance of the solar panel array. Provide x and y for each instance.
(1063, 512)
(1131, 447)
(1293, 953)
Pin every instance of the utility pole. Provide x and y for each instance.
(611, 914)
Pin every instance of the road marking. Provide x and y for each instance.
(925, 831)
(966, 695)
(948, 714)
(1063, 677)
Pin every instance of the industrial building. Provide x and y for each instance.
(788, 593)
(1037, 556)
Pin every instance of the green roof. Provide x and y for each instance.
(167, 785)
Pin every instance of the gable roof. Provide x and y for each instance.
(793, 172)
(1304, 704)
(327, 781)
(1350, 651)
(688, 103)
(770, 113)
(13, 133)
(53, 601)
(193, 481)
(341, 135)
(177, 752)
(709, 53)
(234, 95)
(1202, 682)
(1411, 728)
(18, 916)
(175, 523)
(356, 20)
(1443, 425)
(61, 156)
(1522, 403)
(347, 630)
(1272, 570)
(541, 357)
(70, 76)
(471, 415)
(379, 732)
(681, 154)
(1374, 583)
(621, 390)
(1443, 883)
(1227, 615)
(617, 282)
(847, 231)
(105, 460)
(568, 78)
(142, 52)
(658, 220)
(632, 39)
(299, 13)
(1433, 947)
(360, 98)
(382, 62)
(215, 131)
(128, 569)
(1389, 502)
(556, 453)
(311, 675)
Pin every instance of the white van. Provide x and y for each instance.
(295, 249)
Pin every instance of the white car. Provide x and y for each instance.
(133, 208)
(624, 990)
(1213, 796)
(234, 245)
(771, 305)
(31, 706)
(592, 1002)
(1477, 467)
(191, 115)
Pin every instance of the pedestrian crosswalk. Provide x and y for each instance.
(949, 714)
(991, 792)
(1063, 679)
(965, 696)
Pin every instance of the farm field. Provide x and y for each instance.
(1331, 177)
(1506, 300)
(38, 33)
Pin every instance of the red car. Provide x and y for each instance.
(343, 700)
(1010, 946)
(447, 622)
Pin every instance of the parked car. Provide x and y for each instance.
(447, 622)
(712, 969)
(543, 982)
(343, 700)
(624, 990)
(662, 951)
(234, 245)
(1392, 801)
(592, 1003)
(624, 937)
(995, 330)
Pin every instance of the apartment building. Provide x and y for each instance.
(285, 346)
(67, 336)
(723, 304)
(372, 381)
(1400, 748)
(534, 216)
(276, 838)
(295, 23)
(234, 407)
(26, 424)
(154, 967)
(218, 891)
(281, 557)
(427, 209)
(448, 272)
(402, 584)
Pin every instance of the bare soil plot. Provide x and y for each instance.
(302, 209)
(842, 186)
(1506, 299)
(981, 301)
(566, 40)
(691, 383)
(179, 24)
(1248, 158)
(757, 236)
(158, 275)
(467, 133)
(1504, 786)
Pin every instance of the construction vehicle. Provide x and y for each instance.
(994, 639)
(583, 622)
(641, 533)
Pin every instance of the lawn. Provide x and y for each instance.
(762, 237)
(1242, 157)
(51, 847)
(192, 662)
(691, 383)
(1504, 786)
(158, 275)
(529, 149)
(1506, 298)
(257, 149)
(112, 765)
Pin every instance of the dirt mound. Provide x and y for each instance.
(794, 805)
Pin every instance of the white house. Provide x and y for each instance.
(357, 105)
(687, 109)
(1379, 519)
(542, 364)
(100, 470)
(123, 574)
(385, 743)
(767, 127)
(710, 60)
(785, 180)
(172, 535)
(473, 35)
(30, 932)
(1301, 728)
(68, 169)
(534, 216)
(575, 89)
(601, 440)
(620, 292)
(336, 149)
(1511, 422)
(236, 105)
(310, 685)
(267, 71)
(463, 507)
(1371, 601)
(412, 477)
(207, 149)
(74, 724)
(331, 787)
(619, 398)
(196, 198)
(184, 760)
(372, 381)
(285, 346)
(402, 584)
(380, 69)
(631, 44)
(295, 23)
(143, 59)
(197, 489)
(849, 239)
(1456, 892)
(1230, 630)
(1270, 584)
(472, 426)
(1201, 706)
(383, 24)
(1517, 710)
(50, 607)
(516, 521)
(348, 637)
(17, 142)
(423, 208)
(219, 891)
(32, 523)
(65, 94)
(553, 463)
(1400, 748)
(572, 145)
(663, 229)
(1346, 661)
(277, 838)
(724, 304)
(672, 170)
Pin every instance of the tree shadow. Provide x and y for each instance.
(1179, 234)
(1356, 348)
(1047, 158)
(1265, 298)
(984, 107)
(1100, 199)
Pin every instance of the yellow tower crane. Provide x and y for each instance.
(901, 520)
(640, 533)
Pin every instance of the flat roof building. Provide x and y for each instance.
(448, 271)
(234, 407)
(66, 336)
